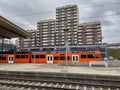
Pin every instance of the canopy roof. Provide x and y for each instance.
(10, 30)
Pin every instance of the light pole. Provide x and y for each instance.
(2, 44)
(66, 31)
(34, 58)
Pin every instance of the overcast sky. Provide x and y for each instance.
(26, 13)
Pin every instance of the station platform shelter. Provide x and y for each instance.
(10, 30)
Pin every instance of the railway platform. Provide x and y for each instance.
(54, 68)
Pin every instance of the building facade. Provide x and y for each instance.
(8, 45)
(6, 41)
(46, 33)
(67, 20)
(89, 33)
(65, 28)
(27, 42)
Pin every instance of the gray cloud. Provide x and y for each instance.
(26, 13)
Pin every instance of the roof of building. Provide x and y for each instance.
(113, 44)
(10, 30)
(90, 23)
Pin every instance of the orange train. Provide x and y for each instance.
(49, 57)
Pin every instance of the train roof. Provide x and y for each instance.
(13, 52)
(24, 52)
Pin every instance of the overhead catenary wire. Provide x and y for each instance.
(84, 18)
(33, 14)
(115, 14)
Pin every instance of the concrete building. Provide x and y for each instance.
(6, 41)
(27, 42)
(89, 33)
(66, 27)
(67, 20)
(8, 45)
(45, 35)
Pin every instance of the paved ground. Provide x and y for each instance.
(61, 69)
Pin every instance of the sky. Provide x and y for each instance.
(26, 14)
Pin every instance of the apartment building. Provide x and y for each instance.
(89, 33)
(67, 20)
(27, 42)
(66, 27)
(45, 35)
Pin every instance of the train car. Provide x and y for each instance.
(22, 58)
(50, 57)
(61, 57)
(9, 57)
(90, 56)
(38, 58)
(55, 57)
(58, 57)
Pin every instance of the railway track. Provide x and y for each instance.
(17, 82)
(47, 85)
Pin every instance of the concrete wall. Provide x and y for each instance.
(113, 63)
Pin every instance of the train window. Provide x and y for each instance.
(83, 56)
(37, 56)
(26, 56)
(68, 57)
(0, 57)
(32, 56)
(17, 56)
(42, 56)
(56, 58)
(62, 58)
(90, 56)
(3, 57)
(96, 56)
(22, 56)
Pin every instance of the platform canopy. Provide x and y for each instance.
(10, 30)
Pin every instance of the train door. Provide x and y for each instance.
(49, 58)
(11, 59)
(75, 58)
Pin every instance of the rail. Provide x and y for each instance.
(53, 81)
